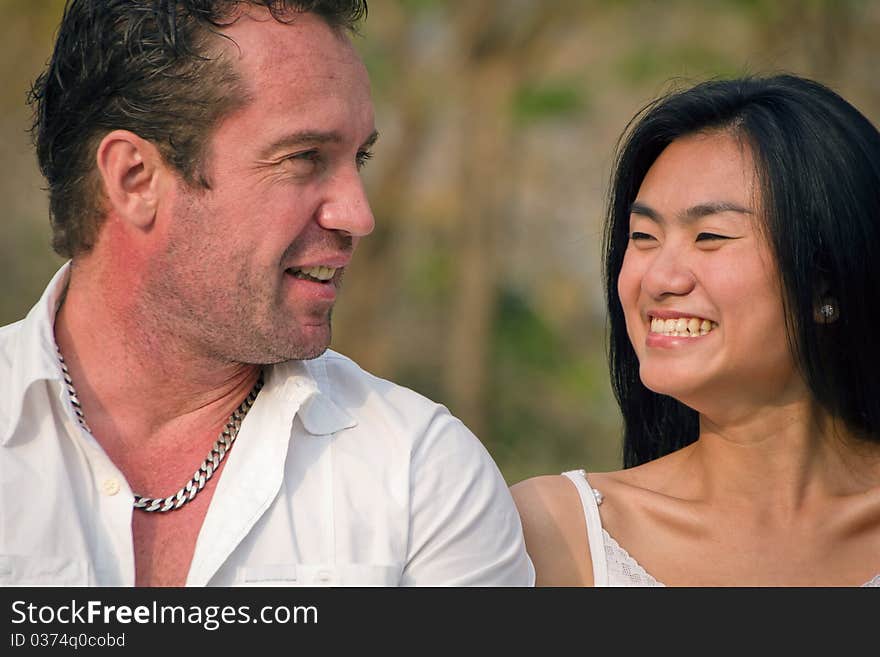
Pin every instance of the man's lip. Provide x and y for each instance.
(314, 289)
(333, 262)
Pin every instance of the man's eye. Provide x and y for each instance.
(302, 164)
(703, 237)
(307, 156)
(363, 157)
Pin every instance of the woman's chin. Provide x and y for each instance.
(668, 381)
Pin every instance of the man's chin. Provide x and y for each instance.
(283, 353)
(295, 341)
(313, 353)
(311, 342)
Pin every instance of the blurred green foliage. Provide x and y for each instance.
(550, 100)
(648, 62)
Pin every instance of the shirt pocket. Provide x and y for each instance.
(309, 574)
(31, 570)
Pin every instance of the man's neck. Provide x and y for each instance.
(135, 381)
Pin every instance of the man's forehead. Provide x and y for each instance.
(298, 76)
(261, 40)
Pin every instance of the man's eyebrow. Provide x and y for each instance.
(371, 140)
(692, 213)
(312, 137)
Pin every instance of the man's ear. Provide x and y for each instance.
(130, 169)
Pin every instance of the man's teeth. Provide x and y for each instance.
(319, 273)
(683, 327)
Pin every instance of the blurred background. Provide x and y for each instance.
(481, 286)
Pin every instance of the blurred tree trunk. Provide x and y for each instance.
(497, 47)
(485, 156)
(368, 332)
(370, 302)
(821, 30)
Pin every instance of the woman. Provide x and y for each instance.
(741, 272)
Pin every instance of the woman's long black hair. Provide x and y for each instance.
(818, 162)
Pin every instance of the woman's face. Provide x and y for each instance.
(699, 287)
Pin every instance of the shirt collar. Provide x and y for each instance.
(304, 384)
(32, 353)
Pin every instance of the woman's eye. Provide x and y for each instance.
(703, 237)
(636, 236)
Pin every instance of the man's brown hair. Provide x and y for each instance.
(154, 67)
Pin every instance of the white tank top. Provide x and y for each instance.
(612, 565)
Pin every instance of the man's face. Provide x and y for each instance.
(250, 267)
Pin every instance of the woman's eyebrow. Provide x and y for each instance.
(692, 213)
(714, 207)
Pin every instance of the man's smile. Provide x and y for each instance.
(319, 274)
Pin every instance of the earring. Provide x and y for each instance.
(828, 312)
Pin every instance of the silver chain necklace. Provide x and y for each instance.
(204, 472)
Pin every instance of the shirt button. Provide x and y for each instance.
(110, 486)
(323, 576)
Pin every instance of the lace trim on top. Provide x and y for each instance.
(612, 565)
(623, 570)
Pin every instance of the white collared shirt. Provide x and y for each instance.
(337, 478)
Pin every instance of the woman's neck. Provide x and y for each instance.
(782, 458)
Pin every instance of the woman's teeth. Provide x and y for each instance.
(683, 327)
(320, 273)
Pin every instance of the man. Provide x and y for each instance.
(203, 167)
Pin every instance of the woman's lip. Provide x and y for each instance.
(675, 314)
(673, 341)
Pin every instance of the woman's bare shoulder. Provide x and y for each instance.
(546, 488)
(651, 477)
(555, 530)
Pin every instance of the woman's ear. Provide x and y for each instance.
(130, 168)
(826, 310)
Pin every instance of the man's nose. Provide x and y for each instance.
(346, 207)
(669, 273)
